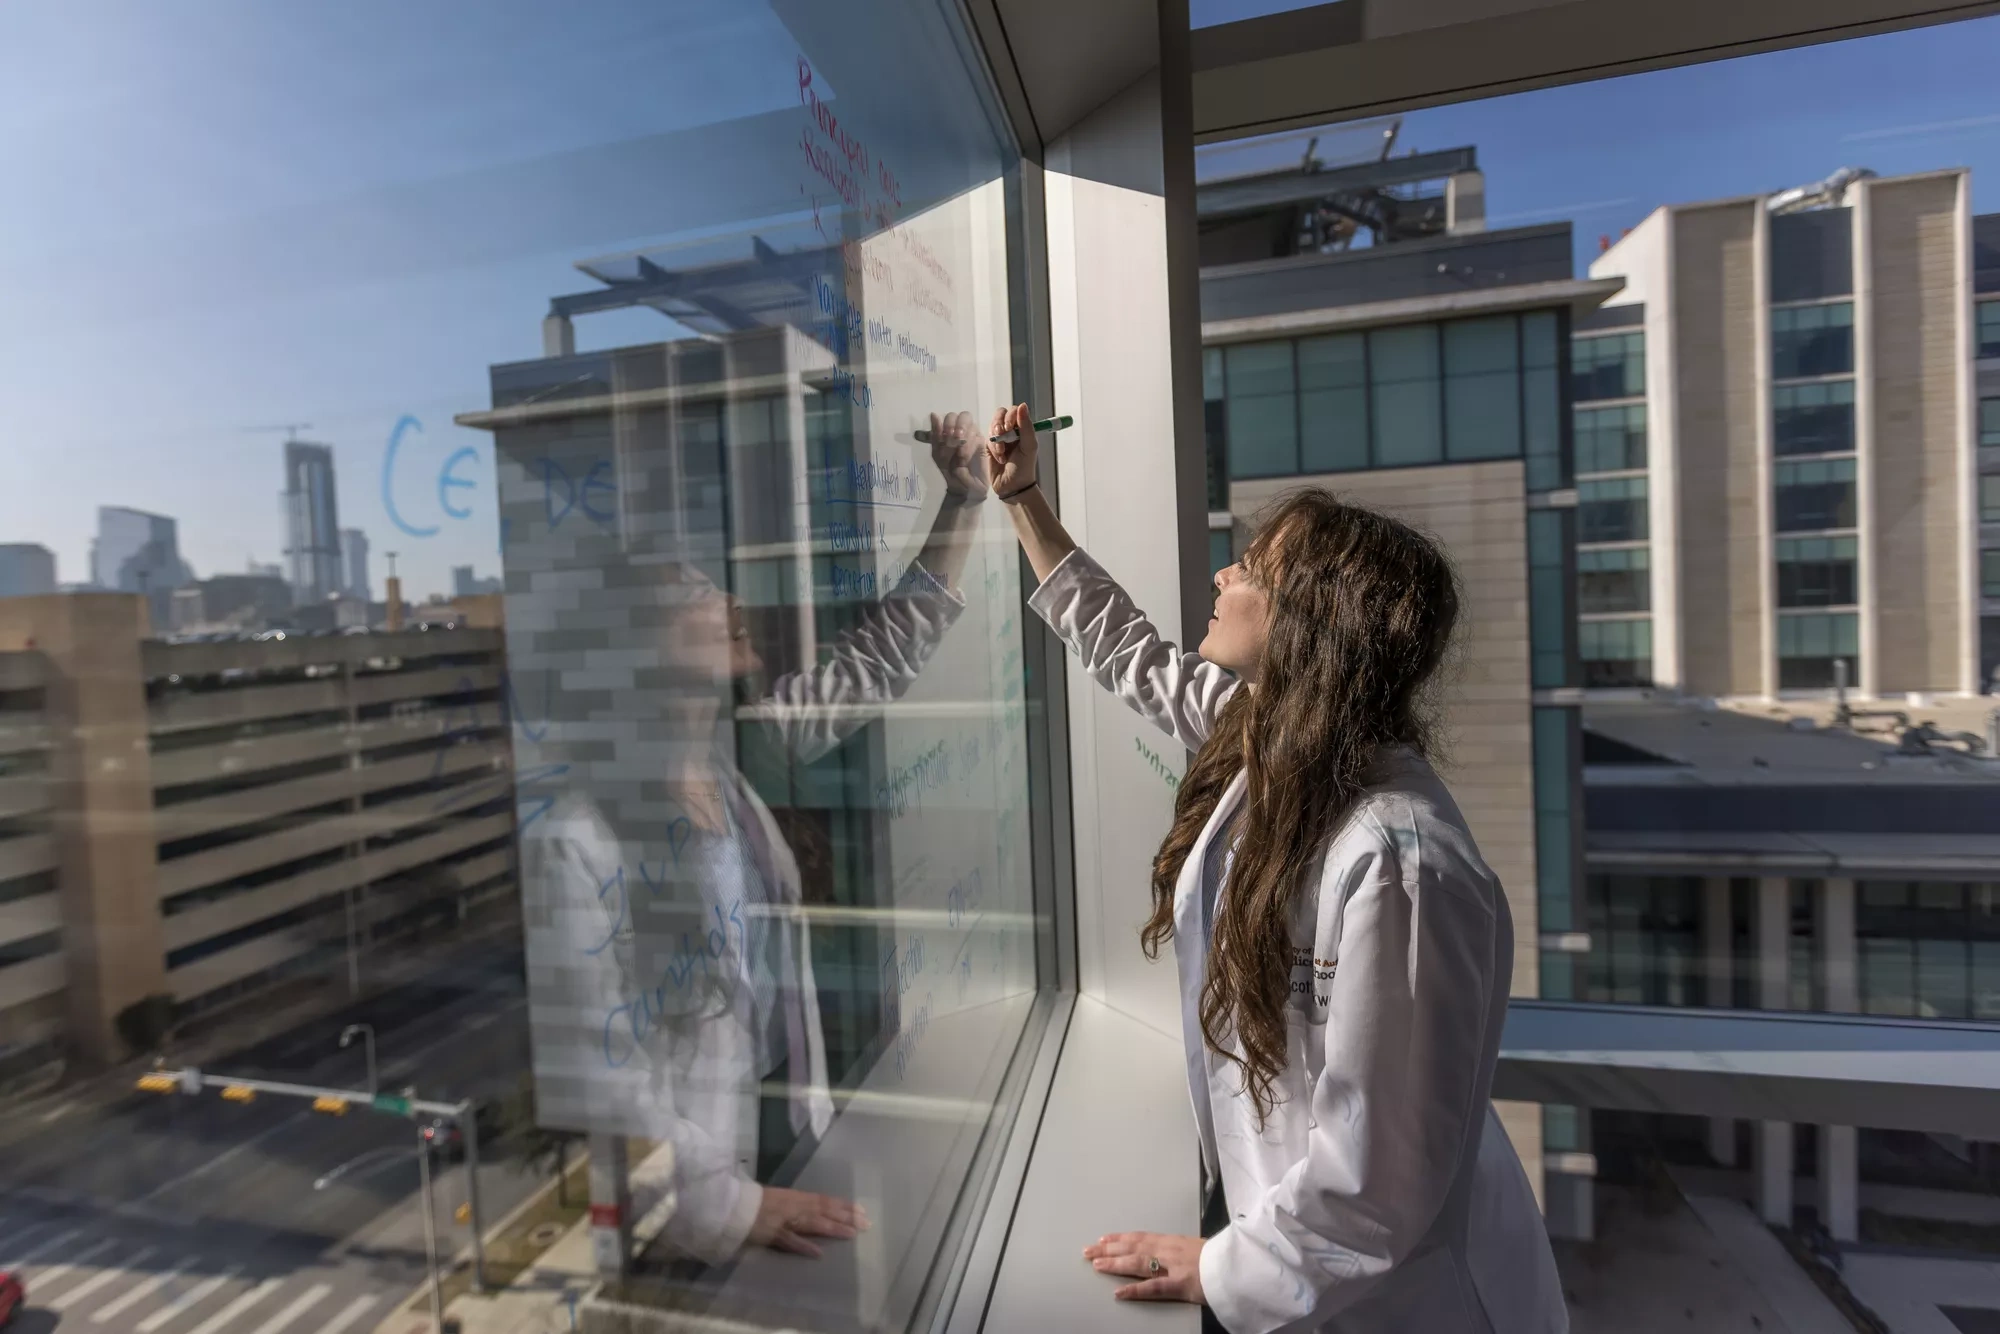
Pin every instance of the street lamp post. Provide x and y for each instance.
(367, 1032)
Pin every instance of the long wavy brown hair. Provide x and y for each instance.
(1362, 611)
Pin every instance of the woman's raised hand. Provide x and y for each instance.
(1012, 466)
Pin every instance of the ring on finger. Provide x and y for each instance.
(1153, 1265)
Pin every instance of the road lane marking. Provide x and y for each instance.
(352, 1312)
(236, 1308)
(25, 1233)
(140, 1293)
(59, 1111)
(312, 1297)
(181, 1303)
(104, 1276)
(40, 1250)
(56, 1272)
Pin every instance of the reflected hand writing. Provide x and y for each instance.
(957, 455)
(787, 1218)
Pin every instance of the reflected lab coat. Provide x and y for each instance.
(688, 1058)
(1382, 1194)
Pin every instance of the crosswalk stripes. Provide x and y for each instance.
(350, 1313)
(106, 1275)
(227, 1315)
(310, 1298)
(112, 1310)
(51, 1244)
(56, 1273)
(194, 1294)
(121, 1283)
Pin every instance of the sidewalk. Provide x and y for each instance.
(542, 1299)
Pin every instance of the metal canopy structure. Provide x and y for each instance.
(1849, 1070)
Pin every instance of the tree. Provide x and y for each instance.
(146, 1023)
(540, 1148)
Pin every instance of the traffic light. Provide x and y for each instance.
(238, 1093)
(331, 1106)
(158, 1083)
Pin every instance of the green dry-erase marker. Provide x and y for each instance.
(1044, 427)
(1047, 426)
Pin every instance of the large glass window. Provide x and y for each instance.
(1333, 403)
(1215, 429)
(1816, 571)
(1541, 400)
(1482, 389)
(1611, 509)
(1607, 366)
(1611, 439)
(1989, 498)
(1616, 653)
(621, 730)
(1989, 421)
(1810, 643)
(1461, 391)
(1615, 579)
(1988, 332)
(1404, 398)
(1549, 546)
(1989, 572)
(1813, 418)
(1263, 410)
(1812, 340)
(1813, 494)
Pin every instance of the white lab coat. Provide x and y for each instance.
(684, 1038)
(1382, 1194)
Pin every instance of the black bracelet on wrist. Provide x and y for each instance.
(1008, 499)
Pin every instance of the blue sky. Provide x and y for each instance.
(230, 215)
(1605, 154)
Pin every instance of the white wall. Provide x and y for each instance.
(1109, 321)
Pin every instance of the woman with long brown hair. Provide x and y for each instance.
(1344, 953)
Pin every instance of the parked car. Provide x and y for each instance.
(13, 1296)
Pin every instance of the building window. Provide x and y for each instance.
(1616, 653)
(1809, 644)
(1989, 421)
(1333, 403)
(1482, 389)
(1221, 553)
(1215, 430)
(1558, 746)
(1464, 390)
(1816, 571)
(1262, 414)
(1814, 494)
(1611, 509)
(1615, 580)
(1812, 340)
(1607, 366)
(1403, 397)
(1550, 541)
(1813, 418)
(1645, 940)
(1611, 439)
(1929, 949)
(1989, 498)
(1542, 346)
(1989, 573)
(1989, 329)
